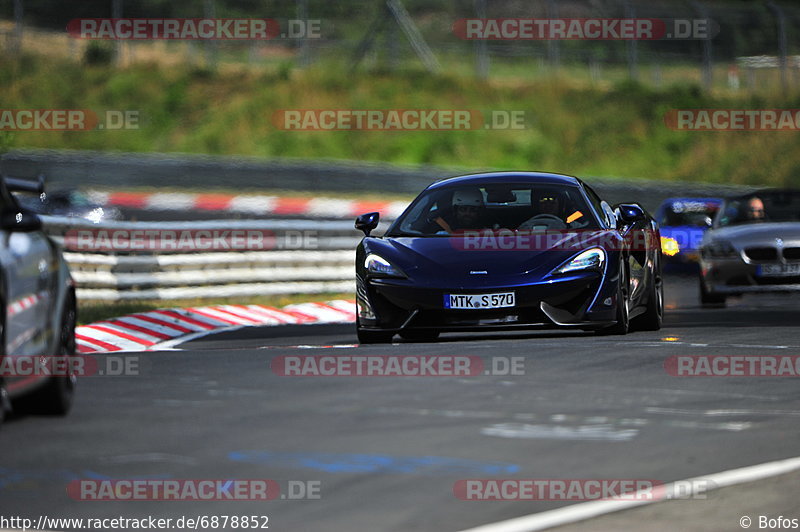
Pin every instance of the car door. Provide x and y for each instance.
(28, 277)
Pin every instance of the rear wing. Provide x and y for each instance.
(16, 184)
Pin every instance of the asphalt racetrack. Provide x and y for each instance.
(384, 453)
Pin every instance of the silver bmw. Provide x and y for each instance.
(753, 246)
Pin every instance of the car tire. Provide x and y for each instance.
(623, 311)
(710, 299)
(420, 335)
(366, 336)
(653, 316)
(56, 397)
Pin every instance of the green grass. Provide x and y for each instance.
(90, 312)
(613, 129)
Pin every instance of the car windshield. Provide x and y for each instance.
(693, 213)
(764, 207)
(444, 211)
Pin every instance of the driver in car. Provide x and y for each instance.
(548, 206)
(755, 210)
(467, 212)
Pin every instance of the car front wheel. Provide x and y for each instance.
(710, 299)
(55, 398)
(623, 311)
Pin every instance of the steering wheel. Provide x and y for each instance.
(546, 218)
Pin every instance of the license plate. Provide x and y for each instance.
(778, 270)
(479, 301)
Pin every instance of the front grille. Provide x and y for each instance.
(791, 253)
(761, 254)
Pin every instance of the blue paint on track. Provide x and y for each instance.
(374, 463)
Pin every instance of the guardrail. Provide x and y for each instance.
(146, 261)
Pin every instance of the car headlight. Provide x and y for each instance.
(719, 249)
(669, 246)
(591, 259)
(377, 265)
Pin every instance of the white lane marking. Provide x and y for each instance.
(714, 346)
(756, 346)
(737, 412)
(588, 510)
(731, 426)
(559, 432)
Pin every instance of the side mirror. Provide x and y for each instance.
(15, 184)
(367, 222)
(631, 212)
(19, 221)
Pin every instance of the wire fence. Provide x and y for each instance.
(751, 48)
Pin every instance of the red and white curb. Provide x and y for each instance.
(249, 204)
(164, 328)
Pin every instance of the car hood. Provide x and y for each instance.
(758, 234)
(459, 259)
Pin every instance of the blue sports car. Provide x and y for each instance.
(683, 222)
(508, 250)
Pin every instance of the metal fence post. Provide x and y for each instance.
(209, 12)
(116, 12)
(302, 15)
(633, 52)
(19, 11)
(708, 74)
(481, 57)
(553, 50)
(782, 45)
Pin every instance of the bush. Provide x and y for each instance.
(98, 53)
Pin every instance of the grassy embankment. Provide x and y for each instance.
(573, 127)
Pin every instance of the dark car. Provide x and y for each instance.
(753, 247)
(65, 202)
(37, 322)
(510, 250)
